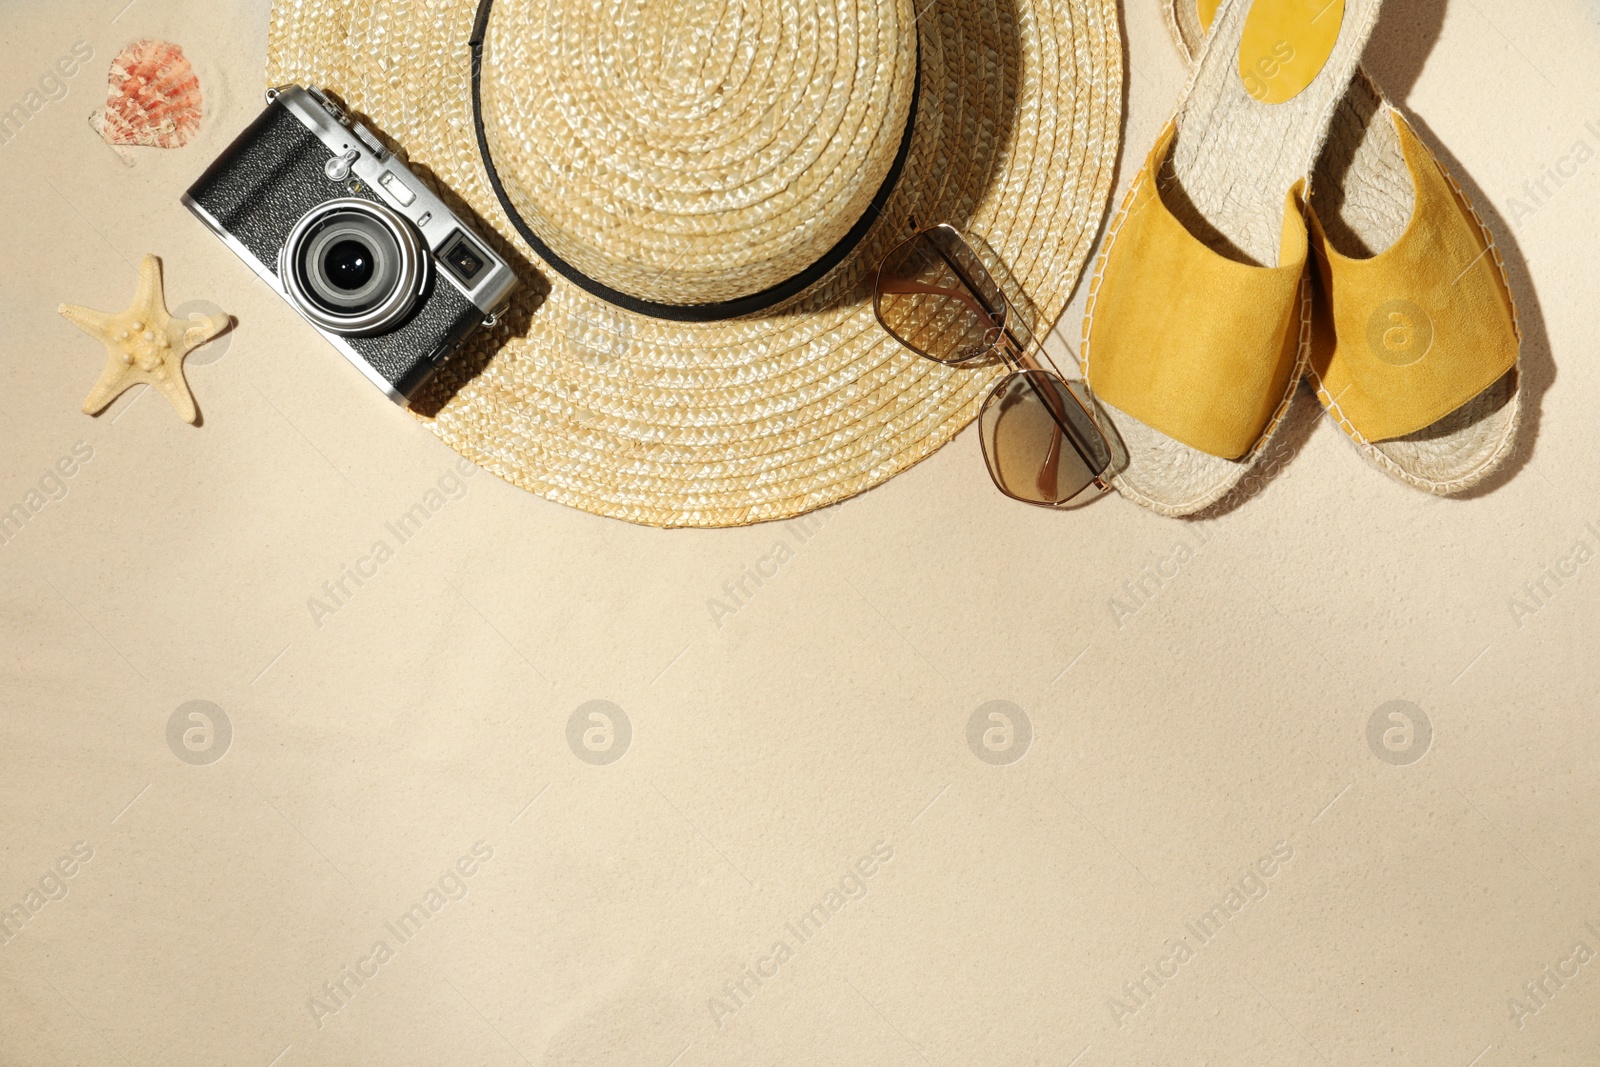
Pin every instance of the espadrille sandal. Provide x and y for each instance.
(1415, 343)
(1198, 322)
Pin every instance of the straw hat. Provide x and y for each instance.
(697, 194)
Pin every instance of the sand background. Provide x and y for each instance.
(1203, 742)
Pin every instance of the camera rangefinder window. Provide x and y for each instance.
(354, 266)
(464, 258)
(326, 215)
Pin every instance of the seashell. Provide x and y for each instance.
(152, 97)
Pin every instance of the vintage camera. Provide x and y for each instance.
(327, 216)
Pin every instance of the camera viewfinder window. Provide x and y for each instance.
(464, 259)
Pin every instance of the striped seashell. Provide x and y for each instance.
(152, 97)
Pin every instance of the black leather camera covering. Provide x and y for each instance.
(267, 180)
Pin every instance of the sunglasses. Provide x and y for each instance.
(934, 295)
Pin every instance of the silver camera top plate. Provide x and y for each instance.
(360, 154)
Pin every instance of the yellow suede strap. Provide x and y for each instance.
(1196, 345)
(1422, 327)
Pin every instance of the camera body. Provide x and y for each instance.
(317, 206)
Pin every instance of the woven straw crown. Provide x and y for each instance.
(696, 151)
(692, 151)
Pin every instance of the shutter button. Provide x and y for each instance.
(338, 168)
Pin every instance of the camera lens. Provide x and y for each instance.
(348, 264)
(354, 267)
(351, 262)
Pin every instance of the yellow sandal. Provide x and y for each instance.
(1416, 342)
(1198, 324)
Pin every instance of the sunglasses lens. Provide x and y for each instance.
(935, 296)
(1040, 443)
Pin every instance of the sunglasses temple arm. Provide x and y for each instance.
(955, 268)
(974, 294)
(1013, 351)
(1019, 355)
(1020, 358)
(900, 287)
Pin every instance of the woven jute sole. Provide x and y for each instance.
(1361, 190)
(1233, 162)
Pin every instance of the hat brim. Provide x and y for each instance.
(770, 415)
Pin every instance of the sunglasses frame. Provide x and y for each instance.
(1012, 351)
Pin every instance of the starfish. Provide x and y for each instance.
(144, 345)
